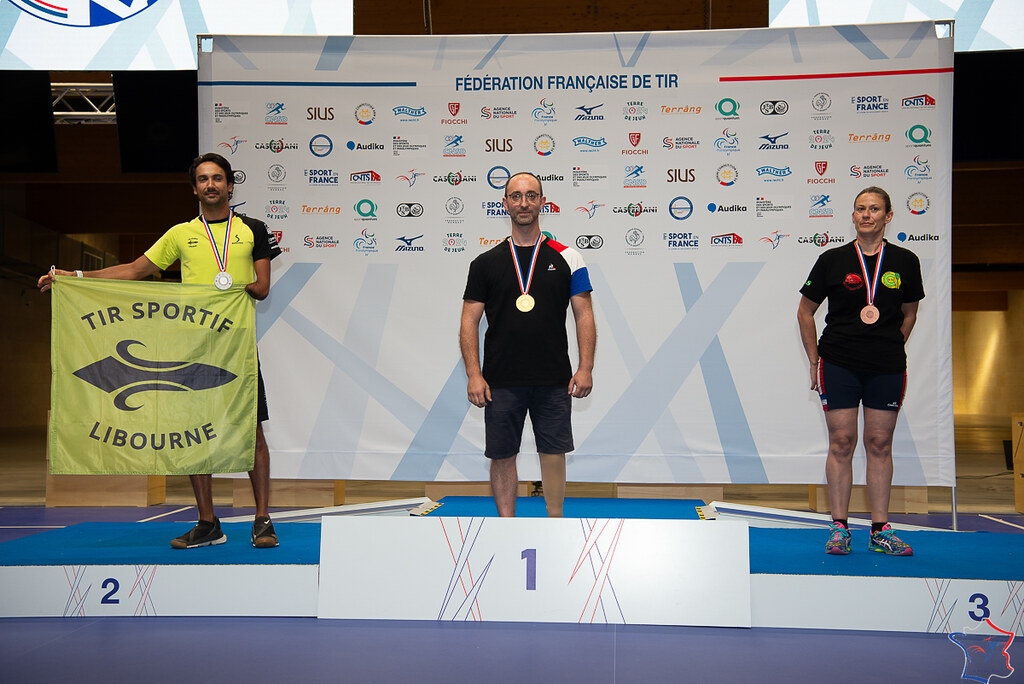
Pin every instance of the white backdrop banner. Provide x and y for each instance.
(699, 173)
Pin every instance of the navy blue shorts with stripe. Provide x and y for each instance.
(841, 388)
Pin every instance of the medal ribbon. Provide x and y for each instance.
(222, 264)
(533, 264)
(872, 286)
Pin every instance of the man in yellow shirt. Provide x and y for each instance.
(217, 247)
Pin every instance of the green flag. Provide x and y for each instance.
(151, 378)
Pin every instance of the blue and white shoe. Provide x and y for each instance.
(885, 541)
(838, 543)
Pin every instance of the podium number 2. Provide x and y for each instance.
(114, 585)
(530, 556)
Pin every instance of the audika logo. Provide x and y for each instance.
(83, 12)
(130, 374)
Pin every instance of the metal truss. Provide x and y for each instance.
(83, 103)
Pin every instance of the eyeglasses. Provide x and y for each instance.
(518, 196)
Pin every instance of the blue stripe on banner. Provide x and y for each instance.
(286, 289)
(333, 53)
(490, 53)
(738, 447)
(670, 438)
(394, 400)
(631, 419)
(631, 62)
(227, 47)
(855, 37)
(330, 435)
(915, 41)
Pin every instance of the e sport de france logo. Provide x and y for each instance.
(83, 12)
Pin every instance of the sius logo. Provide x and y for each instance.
(498, 145)
(681, 176)
(319, 113)
(84, 12)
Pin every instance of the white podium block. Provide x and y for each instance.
(608, 571)
(165, 590)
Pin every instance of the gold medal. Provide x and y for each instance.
(869, 314)
(525, 303)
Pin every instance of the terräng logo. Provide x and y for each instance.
(130, 375)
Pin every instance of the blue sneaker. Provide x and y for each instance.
(885, 541)
(838, 543)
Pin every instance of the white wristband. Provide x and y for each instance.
(78, 274)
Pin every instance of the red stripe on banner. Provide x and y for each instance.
(850, 74)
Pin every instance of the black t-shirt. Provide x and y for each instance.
(530, 348)
(847, 341)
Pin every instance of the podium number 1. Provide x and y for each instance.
(530, 556)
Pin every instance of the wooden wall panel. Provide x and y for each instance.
(411, 17)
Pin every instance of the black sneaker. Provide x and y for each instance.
(263, 535)
(203, 534)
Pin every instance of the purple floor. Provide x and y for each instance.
(103, 650)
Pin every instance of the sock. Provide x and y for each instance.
(877, 526)
(841, 521)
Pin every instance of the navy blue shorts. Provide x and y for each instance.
(842, 388)
(550, 410)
